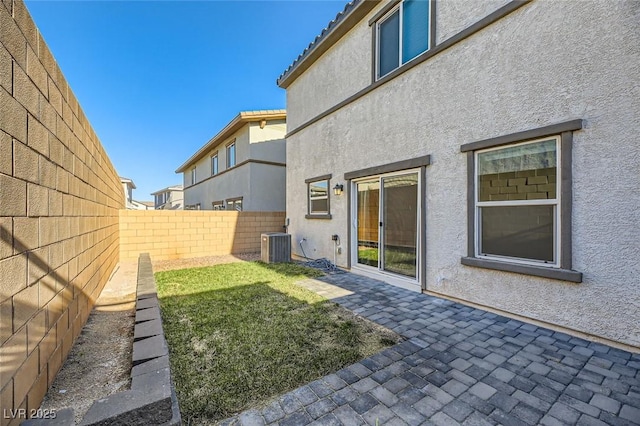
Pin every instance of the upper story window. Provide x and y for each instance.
(402, 34)
(214, 164)
(231, 154)
(193, 176)
(160, 199)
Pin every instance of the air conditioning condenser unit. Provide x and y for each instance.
(275, 247)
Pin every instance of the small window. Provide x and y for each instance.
(318, 197)
(402, 34)
(234, 204)
(193, 176)
(231, 154)
(214, 164)
(218, 205)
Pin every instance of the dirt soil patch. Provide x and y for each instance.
(196, 262)
(98, 365)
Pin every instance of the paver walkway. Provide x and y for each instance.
(460, 365)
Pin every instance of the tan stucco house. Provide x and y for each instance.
(482, 151)
(130, 204)
(169, 198)
(242, 167)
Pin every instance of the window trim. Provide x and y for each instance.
(564, 272)
(384, 15)
(556, 202)
(322, 215)
(193, 175)
(217, 163)
(233, 201)
(235, 152)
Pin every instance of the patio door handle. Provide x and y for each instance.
(381, 224)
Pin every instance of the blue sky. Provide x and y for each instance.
(158, 79)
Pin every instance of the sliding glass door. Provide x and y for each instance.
(368, 207)
(387, 223)
(400, 224)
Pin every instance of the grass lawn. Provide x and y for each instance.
(242, 333)
(400, 261)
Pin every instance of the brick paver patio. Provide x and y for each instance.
(459, 365)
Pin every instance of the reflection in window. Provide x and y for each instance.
(517, 201)
(319, 197)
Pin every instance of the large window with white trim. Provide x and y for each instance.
(517, 202)
(402, 34)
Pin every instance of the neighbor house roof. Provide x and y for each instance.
(352, 13)
(127, 180)
(168, 188)
(234, 125)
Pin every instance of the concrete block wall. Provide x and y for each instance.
(179, 234)
(59, 202)
(522, 185)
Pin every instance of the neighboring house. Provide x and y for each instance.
(170, 198)
(128, 186)
(487, 152)
(242, 167)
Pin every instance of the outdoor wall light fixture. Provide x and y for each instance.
(337, 190)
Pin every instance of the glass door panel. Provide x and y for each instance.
(368, 222)
(400, 224)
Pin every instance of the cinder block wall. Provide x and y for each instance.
(59, 202)
(179, 234)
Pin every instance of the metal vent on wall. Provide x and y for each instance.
(275, 247)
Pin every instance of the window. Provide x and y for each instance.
(520, 202)
(214, 164)
(402, 34)
(218, 205)
(231, 154)
(318, 197)
(193, 176)
(517, 201)
(234, 204)
(161, 198)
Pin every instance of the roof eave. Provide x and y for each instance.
(324, 42)
(234, 125)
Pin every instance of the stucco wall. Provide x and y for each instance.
(528, 70)
(262, 186)
(335, 78)
(203, 166)
(166, 234)
(267, 188)
(59, 202)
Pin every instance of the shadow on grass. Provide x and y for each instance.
(236, 347)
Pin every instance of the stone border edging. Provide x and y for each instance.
(151, 399)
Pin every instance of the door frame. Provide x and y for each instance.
(378, 272)
(421, 163)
